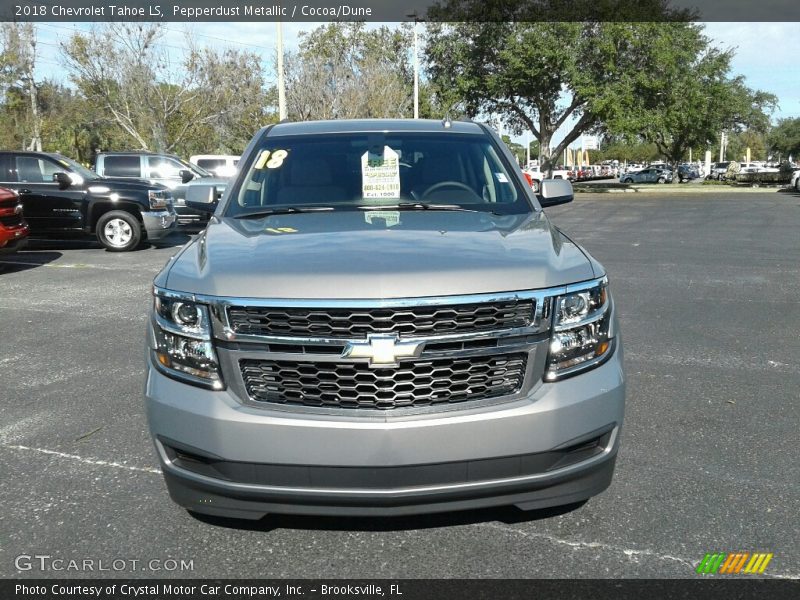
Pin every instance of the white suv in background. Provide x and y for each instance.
(221, 165)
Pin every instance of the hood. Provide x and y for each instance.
(353, 254)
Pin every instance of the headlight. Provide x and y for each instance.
(159, 199)
(183, 347)
(580, 337)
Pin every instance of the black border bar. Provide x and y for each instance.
(733, 588)
(196, 11)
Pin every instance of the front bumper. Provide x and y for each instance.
(159, 223)
(221, 457)
(13, 239)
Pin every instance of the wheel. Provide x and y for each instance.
(536, 186)
(797, 185)
(627, 180)
(662, 180)
(119, 231)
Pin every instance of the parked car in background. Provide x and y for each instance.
(221, 165)
(648, 175)
(796, 180)
(401, 334)
(61, 197)
(164, 169)
(718, 170)
(13, 228)
(687, 173)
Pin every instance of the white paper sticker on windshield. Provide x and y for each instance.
(380, 174)
(388, 218)
(501, 177)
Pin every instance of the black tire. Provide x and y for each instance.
(536, 186)
(627, 180)
(662, 180)
(119, 231)
(797, 185)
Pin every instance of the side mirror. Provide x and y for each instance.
(204, 196)
(186, 175)
(62, 179)
(555, 191)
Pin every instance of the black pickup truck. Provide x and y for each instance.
(61, 197)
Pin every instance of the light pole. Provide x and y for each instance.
(416, 18)
(281, 83)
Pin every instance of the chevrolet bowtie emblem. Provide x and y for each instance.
(382, 350)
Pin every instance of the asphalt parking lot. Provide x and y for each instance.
(708, 289)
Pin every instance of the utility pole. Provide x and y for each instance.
(281, 82)
(722, 141)
(416, 18)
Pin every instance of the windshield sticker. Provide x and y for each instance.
(501, 177)
(387, 218)
(380, 174)
(270, 160)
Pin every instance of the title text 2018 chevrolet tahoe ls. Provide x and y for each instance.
(379, 320)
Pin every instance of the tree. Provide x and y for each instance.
(545, 75)
(696, 97)
(159, 99)
(343, 70)
(17, 66)
(784, 138)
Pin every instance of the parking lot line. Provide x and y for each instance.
(87, 461)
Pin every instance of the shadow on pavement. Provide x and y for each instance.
(507, 514)
(24, 260)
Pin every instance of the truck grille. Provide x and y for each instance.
(353, 322)
(355, 385)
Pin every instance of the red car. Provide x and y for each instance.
(13, 228)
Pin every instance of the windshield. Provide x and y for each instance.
(361, 171)
(76, 167)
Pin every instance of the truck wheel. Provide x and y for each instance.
(535, 186)
(662, 180)
(119, 231)
(627, 180)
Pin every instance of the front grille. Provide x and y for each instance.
(355, 385)
(11, 221)
(353, 322)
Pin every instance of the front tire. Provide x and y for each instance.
(119, 231)
(662, 180)
(628, 180)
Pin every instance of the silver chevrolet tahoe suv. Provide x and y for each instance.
(379, 319)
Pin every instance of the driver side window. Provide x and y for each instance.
(32, 169)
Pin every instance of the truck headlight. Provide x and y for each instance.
(159, 199)
(580, 337)
(182, 339)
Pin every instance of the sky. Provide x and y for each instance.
(766, 54)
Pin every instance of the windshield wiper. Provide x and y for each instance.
(425, 206)
(285, 210)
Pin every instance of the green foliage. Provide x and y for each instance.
(784, 138)
(344, 70)
(540, 76)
